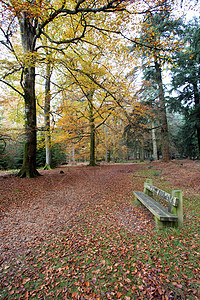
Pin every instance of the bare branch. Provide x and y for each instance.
(11, 72)
(135, 41)
(12, 87)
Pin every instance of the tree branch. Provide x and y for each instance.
(73, 40)
(12, 87)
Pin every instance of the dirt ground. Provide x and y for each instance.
(33, 210)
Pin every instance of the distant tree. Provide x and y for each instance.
(48, 161)
(186, 138)
(158, 40)
(186, 85)
(92, 103)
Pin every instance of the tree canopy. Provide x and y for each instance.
(86, 44)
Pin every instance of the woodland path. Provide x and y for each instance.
(77, 235)
(33, 210)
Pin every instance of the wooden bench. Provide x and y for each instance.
(171, 217)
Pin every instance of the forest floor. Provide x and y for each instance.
(74, 233)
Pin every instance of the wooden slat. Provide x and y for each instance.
(162, 194)
(155, 208)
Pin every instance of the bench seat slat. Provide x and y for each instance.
(156, 208)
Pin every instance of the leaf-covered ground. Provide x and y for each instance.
(78, 235)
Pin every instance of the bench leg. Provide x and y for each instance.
(137, 202)
(162, 225)
(159, 224)
(178, 210)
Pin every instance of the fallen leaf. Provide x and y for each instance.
(25, 280)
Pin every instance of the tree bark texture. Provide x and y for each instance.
(155, 151)
(30, 141)
(163, 113)
(106, 144)
(47, 117)
(197, 111)
(92, 132)
(142, 150)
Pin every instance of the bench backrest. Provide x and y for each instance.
(175, 199)
(162, 194)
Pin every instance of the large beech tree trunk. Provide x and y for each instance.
(163, 114)
(30, 142)
(29, 160)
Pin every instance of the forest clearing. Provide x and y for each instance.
(99, 96)
(76, 234)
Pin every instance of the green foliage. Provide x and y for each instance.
(40, 157)
(186, 82)
(58, 156)
(6, 150)
(4, 158)
(187, 139)
(11, 156)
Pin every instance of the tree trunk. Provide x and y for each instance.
(30, 141)
(29, 159)
(163, 113)
(92, 132)
(106, 145)
(73, 152)
(141, 150)
(155, 151)
(47, 118)
(198, 140)
(197, 112)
